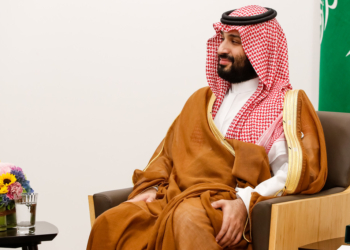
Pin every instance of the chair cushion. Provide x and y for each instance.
(336, 127)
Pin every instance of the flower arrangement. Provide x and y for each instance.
(13, 183)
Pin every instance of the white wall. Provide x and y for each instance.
(89, 88)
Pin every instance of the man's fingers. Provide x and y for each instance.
(150, 199)
(232, 240)
(217, 204)
(223, 230)
(138, 198)
(226, 240)
(236, 238)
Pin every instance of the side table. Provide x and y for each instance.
(43, 231)
(332, 244)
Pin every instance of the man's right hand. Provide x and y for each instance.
(147, 196)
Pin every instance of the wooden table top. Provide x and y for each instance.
(43, 231)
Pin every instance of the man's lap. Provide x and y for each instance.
(128, 226)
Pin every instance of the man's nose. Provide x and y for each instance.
(223, 48)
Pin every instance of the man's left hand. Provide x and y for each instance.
(234, 218)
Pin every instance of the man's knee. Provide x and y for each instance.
(188, 214)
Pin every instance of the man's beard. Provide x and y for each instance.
(241, 69)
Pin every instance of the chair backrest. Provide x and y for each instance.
(336, 127)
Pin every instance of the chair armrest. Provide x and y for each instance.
(300, 219)
(262, 213)
(103, 201)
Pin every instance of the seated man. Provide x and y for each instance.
(245, 138)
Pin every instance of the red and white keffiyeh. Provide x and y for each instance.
(266, 48)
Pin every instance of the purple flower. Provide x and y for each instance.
(17, 168)
(27, 187)
(18, 173)
(4, 200)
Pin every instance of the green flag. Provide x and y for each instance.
(335, 56)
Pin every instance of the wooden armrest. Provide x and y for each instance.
(301, 222)
(261, 215)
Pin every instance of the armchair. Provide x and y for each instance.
(291, 221)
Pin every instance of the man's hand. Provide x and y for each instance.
(234, 218)
(147, 196)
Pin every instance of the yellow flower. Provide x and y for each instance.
(7, 179)
(3, 190)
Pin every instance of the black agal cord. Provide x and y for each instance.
(247, 20)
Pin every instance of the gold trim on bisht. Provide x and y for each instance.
(295, 156)
(155, 157)
(214, 129)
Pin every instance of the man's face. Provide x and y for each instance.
(233, 64)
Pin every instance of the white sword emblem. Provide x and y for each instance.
(324, 19)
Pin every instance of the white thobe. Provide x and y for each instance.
(235, 98)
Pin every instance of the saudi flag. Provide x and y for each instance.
(335, 56)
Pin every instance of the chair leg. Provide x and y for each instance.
(30, 247)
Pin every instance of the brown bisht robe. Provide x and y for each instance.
(192, 168)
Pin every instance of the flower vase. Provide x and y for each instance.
(3, 224)
(11, 218)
